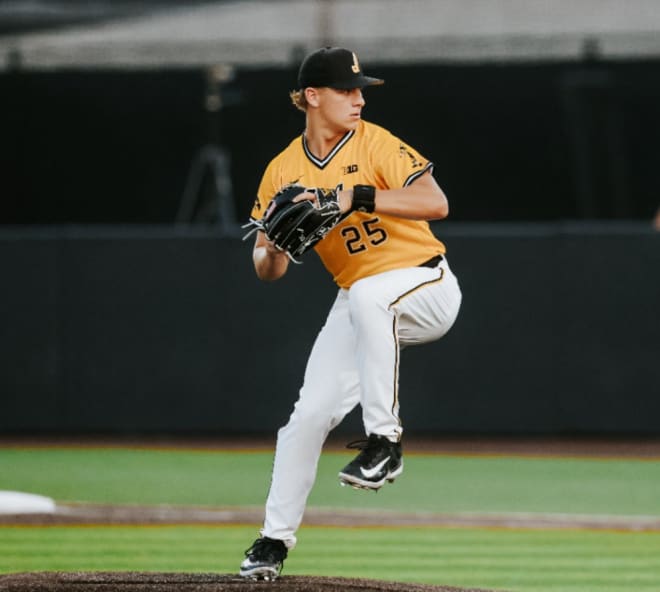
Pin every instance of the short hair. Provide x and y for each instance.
(298, 99)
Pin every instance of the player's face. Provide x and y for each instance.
(341, 109)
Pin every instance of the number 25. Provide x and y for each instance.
(355, 240)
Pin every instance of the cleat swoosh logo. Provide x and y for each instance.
(371, 473)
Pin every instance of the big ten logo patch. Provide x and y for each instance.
(406, 151)
(349, 169)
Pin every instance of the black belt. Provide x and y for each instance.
(433, 262)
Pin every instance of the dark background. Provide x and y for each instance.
(118, 319)
(149, 330)
(510, 142)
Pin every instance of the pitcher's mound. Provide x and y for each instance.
(184, 582)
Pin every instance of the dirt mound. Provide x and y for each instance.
(180, 582)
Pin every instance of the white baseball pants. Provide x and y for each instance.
(355, 359)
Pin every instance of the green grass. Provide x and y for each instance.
(126, 476)
(525, 561)
(517, 560)
(430, 483)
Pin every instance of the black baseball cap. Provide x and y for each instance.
(334, 67)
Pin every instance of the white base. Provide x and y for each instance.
(16, 502)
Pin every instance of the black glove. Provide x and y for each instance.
(295, 227)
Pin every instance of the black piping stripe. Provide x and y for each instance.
(422, 285)
(418, 174)
(323, 163)
(395, 335)
(395, 386)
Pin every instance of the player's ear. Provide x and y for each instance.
(312, 96)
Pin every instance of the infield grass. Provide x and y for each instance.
(433, 483)
(524, 561)
(504, 559)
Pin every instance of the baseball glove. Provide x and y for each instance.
(295, 227)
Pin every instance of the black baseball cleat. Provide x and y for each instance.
(379, 460)
(263, 560)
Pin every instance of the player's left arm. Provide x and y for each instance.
(420, 200)
(269, 262)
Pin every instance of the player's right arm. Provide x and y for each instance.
(269, 262)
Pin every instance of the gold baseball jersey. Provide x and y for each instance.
(362, 244)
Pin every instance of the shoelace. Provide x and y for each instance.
(364, 444)
(359, 444)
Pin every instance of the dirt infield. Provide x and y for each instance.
(178, 582)
(105, 514)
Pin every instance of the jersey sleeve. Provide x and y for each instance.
(397, 163)
(269, 186)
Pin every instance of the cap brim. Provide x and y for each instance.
(358, 82)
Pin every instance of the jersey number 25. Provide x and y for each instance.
(357, 237)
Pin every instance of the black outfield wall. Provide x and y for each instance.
(159, 329)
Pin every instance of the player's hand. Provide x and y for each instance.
(344, 198)
(272, 249)
(307, 195)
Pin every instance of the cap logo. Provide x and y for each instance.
(356, 66)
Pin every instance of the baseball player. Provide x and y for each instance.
(395, 289)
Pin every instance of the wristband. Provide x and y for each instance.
(364, 198)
